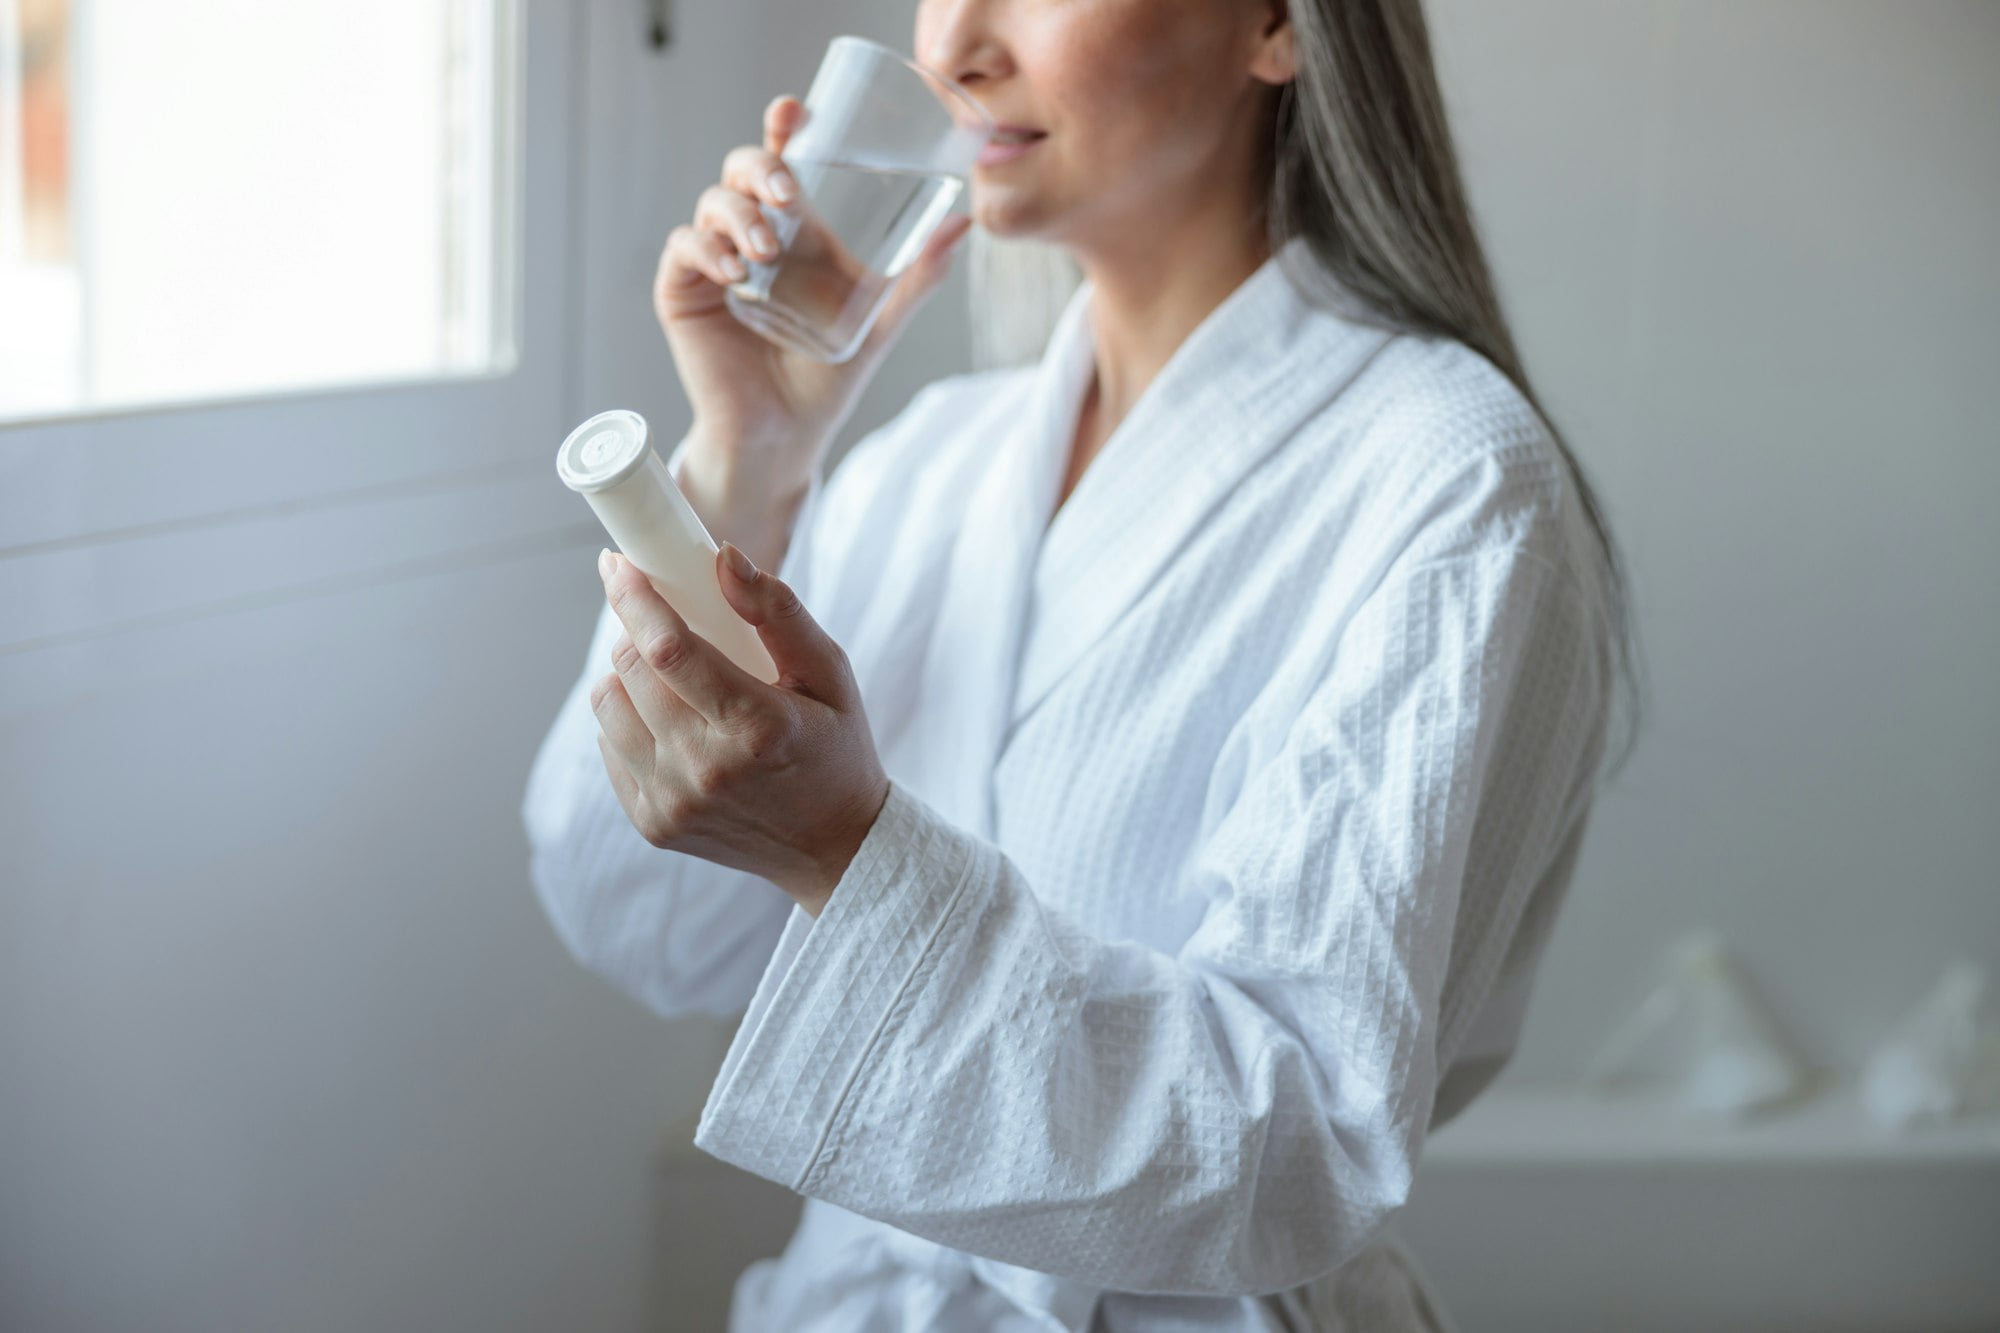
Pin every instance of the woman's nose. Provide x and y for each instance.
(957, 39)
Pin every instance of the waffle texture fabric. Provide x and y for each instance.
(1231, 803)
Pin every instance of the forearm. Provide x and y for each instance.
(947, 1054)
(750, 496)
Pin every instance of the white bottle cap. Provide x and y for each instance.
(603, 451)
(610, 460)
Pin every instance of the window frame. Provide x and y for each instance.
(133, 515)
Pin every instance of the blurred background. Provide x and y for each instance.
(296, 302)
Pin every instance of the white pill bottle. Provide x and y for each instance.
(610, 461)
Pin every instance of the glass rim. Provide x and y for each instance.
(951, 85)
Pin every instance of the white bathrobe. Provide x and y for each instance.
(1229, 812)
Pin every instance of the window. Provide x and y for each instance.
(215, 198)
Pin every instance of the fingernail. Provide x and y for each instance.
(739, 562)
(734, 268)
(605, 564)
(782, 188)
(761, 239)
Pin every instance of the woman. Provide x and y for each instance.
(1190, 737)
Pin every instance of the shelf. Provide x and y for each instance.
(1568, 1126)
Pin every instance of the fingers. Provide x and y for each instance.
(761, 175)
(660, 711)
(694, 256)
(619, 725)
(722, 210)
(665, 651)
(630, 797)
(621, 776)
(782, 119)
(728, 225)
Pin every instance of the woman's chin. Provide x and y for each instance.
(1009, 216)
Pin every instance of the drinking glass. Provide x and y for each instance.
(883, 152)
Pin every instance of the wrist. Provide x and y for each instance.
(746, 496)
(778, 450)
(744, 480)
(830, 866)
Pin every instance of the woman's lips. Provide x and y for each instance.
(1008, 145)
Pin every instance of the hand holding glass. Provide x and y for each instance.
(884, 151)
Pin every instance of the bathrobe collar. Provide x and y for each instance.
(1029, 597)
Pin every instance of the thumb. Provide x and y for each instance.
(807, 658)
(921, 278)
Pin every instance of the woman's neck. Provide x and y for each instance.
(1149, 292)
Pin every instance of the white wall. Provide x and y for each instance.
(1749, 251)
(285, 1042)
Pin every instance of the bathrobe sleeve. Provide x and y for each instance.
(678, 933)
(942, 1051)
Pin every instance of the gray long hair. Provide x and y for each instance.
(1362, 166)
